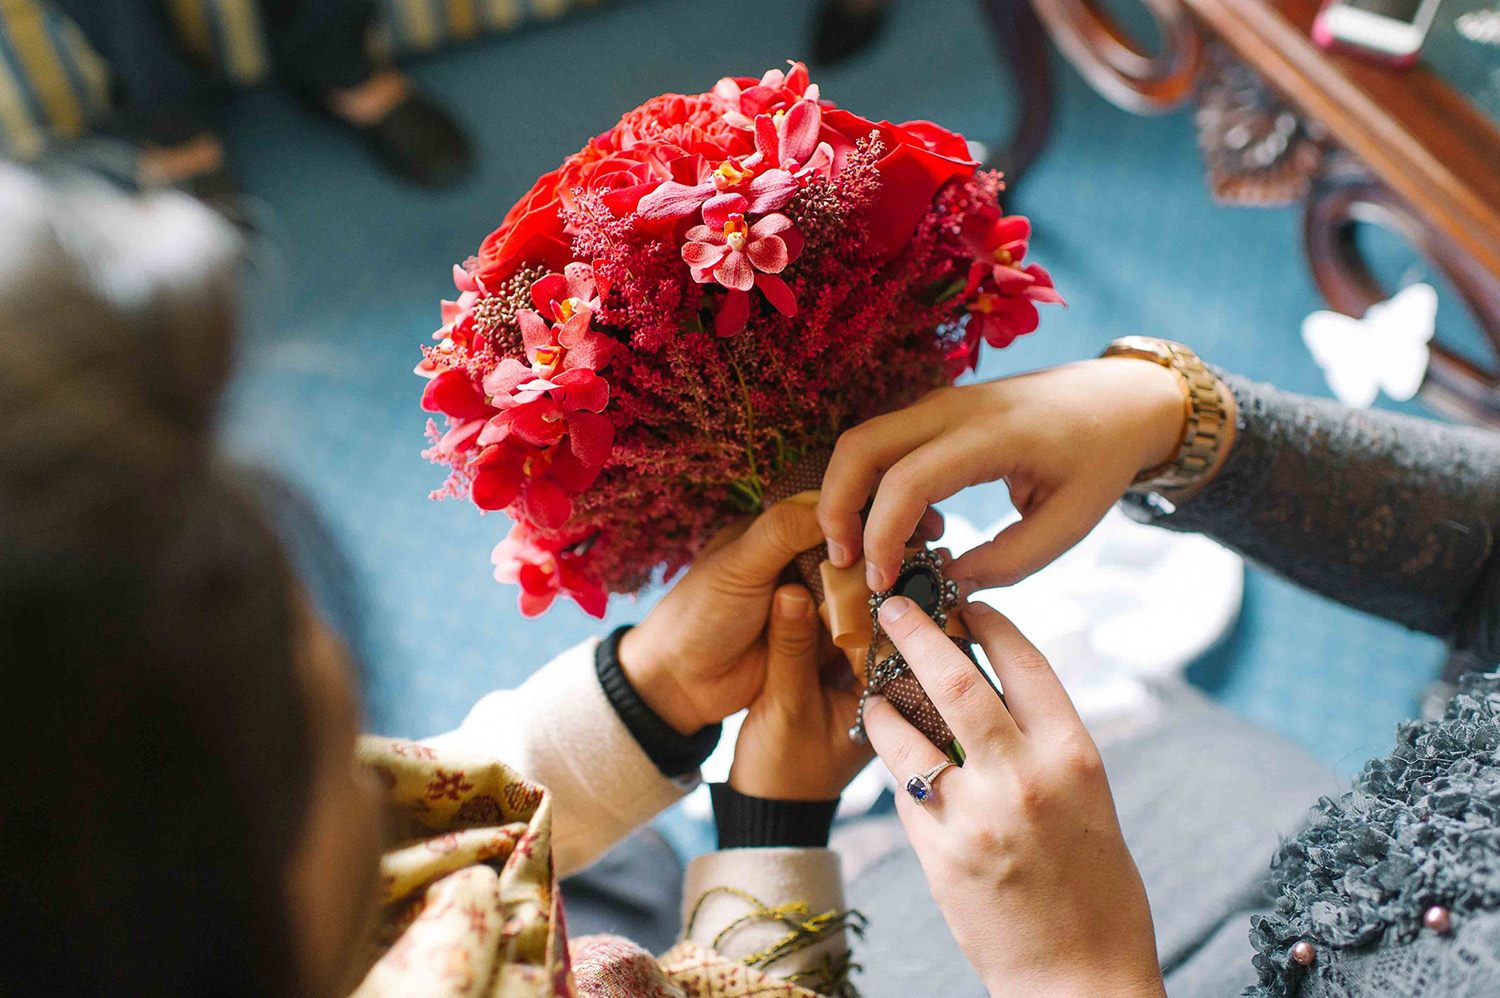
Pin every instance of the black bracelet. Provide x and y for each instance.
(746, 822)
(675, 755)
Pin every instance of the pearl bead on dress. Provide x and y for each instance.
(1303, 952)
(1438, 919)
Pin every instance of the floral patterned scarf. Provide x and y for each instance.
(470, 906)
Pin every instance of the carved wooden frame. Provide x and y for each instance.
(1117, 65)
(1118, 68)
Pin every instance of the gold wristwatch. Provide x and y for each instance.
(1205, 411)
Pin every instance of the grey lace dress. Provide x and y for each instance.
(1391, 515)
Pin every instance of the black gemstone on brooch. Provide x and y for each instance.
(920, 583)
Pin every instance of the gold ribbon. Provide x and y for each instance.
(846, 613)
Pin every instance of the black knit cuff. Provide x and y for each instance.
(674, 755)
(755, 823)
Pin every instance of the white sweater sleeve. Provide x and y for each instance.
(769, 878)
(559, 730)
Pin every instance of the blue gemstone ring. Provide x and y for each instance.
(922, 786)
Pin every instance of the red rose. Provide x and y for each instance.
(674, 125)
(673, 137)
(937, 139)
(920, 158)
(600, 172)
(531, 234)
(630, 158)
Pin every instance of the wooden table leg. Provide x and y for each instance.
(1023, 48)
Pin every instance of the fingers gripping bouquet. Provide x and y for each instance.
(673, 324)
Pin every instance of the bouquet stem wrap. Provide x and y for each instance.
(844, 603)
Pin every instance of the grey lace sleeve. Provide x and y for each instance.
(1385, 513)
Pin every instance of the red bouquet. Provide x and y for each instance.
(715, 287)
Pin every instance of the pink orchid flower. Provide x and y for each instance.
(996, 247)
(454, 394)
(531, 484)
(544, 569)
(763, 192)
(787, 155)
(999, 318)
(547, 443)
(558, 346)
(1002, 293)
(541, 412)
(729, 251)
(775, 90)
(789, 140)
(459, 315)
(564, 295)
(457, 329)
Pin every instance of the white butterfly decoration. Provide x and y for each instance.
(1387, 349)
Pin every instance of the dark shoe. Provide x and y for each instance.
(217, 189)
(420, 142)
(841, 34)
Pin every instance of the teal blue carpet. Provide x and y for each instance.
(348, 281)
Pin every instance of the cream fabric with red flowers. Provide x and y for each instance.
(559, 729)
(470, 905)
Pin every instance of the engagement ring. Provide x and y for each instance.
(921, 785)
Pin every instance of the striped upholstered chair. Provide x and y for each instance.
(52, 85)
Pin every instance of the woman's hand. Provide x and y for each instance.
(700, 654)
(1068, 441)
(795, 744)
(1021, 846)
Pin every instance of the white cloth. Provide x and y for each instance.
(772, 877)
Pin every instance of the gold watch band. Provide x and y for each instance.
(1204, 414)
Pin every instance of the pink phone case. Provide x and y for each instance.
(1324, 39)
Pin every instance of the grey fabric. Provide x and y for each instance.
(1463, 965)
(1385, 513)
(1220, 967)
(1203, 799)
(1421, 827)
(907, 950)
